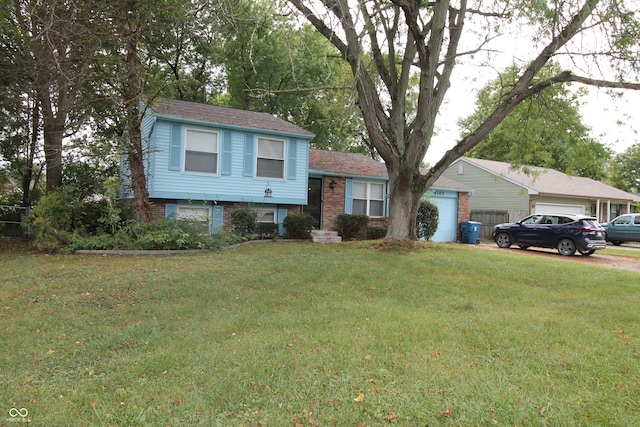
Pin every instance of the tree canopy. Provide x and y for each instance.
(625, 169)
(387, 42)
(545, 130)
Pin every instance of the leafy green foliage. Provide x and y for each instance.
(545, 130)
(351, 226)
(375, 233)
(292, 71)
(625, 170)
(267, 230)
(298, 226)
(243, 220)
(427, 219)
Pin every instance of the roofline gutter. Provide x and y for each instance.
(206, 123)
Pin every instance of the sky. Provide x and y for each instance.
(599, 111)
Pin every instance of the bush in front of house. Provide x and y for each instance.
(267, 230)
(352, 226)
(298, 226)
(427, 219)
(375, 233)
(244, 221)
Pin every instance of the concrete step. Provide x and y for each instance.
(325, 236)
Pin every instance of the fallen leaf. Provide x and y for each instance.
(392, 416)
(29, 380)
(543, 410)
(446, 413)
(360, 398)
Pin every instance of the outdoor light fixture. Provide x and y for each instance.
(332, 184)
(268, 192)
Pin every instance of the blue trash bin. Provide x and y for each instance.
(470, 231)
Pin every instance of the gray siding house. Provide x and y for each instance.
(500, 189)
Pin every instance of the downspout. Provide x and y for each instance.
(598, 210)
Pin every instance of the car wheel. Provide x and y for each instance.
(524, 246)
(616, 242)
(503, 240)
(589, 252)
(566, 247)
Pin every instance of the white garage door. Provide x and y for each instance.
(447, 217)
(557, 208)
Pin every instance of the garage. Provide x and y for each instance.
(447, 203)
(559, 208)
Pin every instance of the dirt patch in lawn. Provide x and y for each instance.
(602, 260)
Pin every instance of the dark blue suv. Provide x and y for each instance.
(565, 232)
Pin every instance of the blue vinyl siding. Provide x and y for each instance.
(237, 181)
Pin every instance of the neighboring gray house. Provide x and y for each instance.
(499, 188)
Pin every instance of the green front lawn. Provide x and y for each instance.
(293, 334)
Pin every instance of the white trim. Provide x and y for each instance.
(217, 152)
(284, 157)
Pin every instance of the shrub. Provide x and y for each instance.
(375, 233)
(267, 230)
(427, 219)
(243, 221)
(166, 234)
(298, 226)
(52, 220)
(351, 226)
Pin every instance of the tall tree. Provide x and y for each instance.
(385, 42)
(545, 130)
(625, 170)
(273, 65)
(133, 32)
(48, 43)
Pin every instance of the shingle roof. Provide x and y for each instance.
(354, 164)
(223, 115)
(553, 182)
(341, 163)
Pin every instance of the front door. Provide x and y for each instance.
(314, 202)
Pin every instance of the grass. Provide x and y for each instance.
(626, 252)
(353, 334)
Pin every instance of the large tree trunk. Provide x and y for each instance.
(133, 94)
(407, 188)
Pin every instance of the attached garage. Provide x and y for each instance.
(452, 200)
(558, 208)
(447, 203)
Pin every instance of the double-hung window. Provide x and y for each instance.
(368, 199)
(201, 215)
(201, 151)
(270, 162)
(266, 215)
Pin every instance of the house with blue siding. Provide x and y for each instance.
(203, 161)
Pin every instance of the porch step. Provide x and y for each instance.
(325, 236)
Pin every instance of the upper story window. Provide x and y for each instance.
(368, 199)
(270, 158)
(201, 151)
